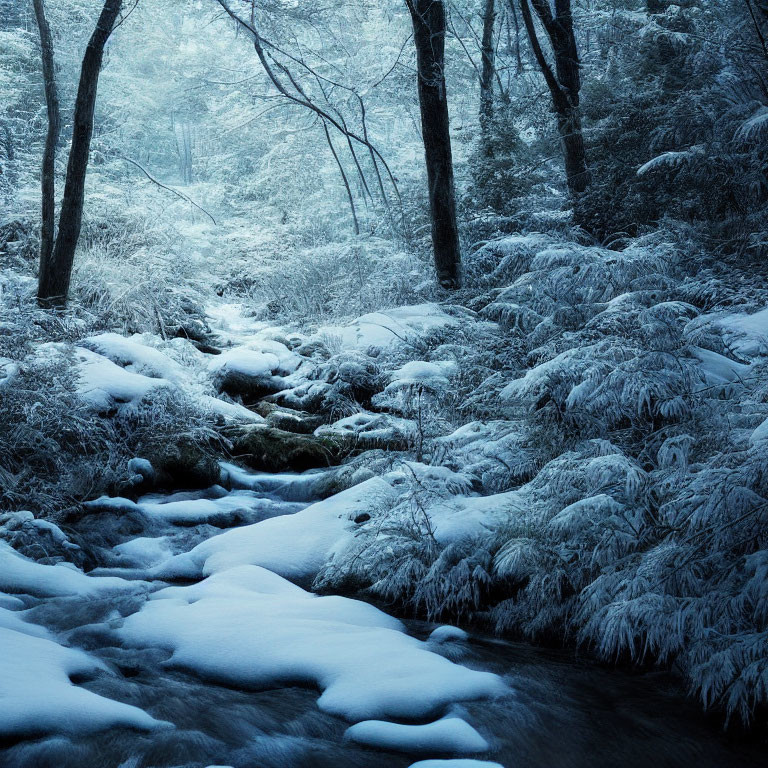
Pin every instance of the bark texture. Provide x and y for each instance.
(489, 64)
(429, 27)
(564, 82)
(56, 272)
(48, 184)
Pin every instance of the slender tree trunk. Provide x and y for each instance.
(429, 27)
(48, 183)
(564, 83)
(489, 65)
(518, 54)
(56, 274)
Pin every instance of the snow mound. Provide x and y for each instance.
(295, 546)
(38, 697)
(105, 385)
(461, 763)
(247, 362)
(391, 327)
(747, 335)
(145, 551)
(20, 575)
(135, 355)
(246, 626)
(451, 735)
(13, 621)
(447, 633)
(230, 411)
(376, 427)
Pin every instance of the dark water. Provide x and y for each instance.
(565, 712)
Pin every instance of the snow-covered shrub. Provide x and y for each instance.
(330, 280)
(622, 498)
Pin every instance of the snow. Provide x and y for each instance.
(718, 370)
(248, 627)
(747, 334)
(106, 385)
(145, 551)
(8, 371)
(231, 321)
(20, 575)
(295, 546)
(391, 327)
(460, 763)
(466, 516)
(244, 361)
(447, 633)
(761, 433)
(13, 521)
(142, 467)
(450, 735)
(13, 621)
(38, 697)
(373, 426)
(136, 355)
(418, 373)
(230, 411)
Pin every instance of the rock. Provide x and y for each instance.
(308, 397)
(143, 469)
(183, 464)
(314, 348)
(290, 420)
(368, 431)
(276, 450)
(40, 540)
(250, 388)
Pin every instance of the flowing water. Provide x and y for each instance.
(565, 712)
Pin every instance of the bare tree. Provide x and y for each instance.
(564, 81)
(429, 28)
(56, 269)
(48, 184)
(293, 77)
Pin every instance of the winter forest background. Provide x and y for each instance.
(455, 309)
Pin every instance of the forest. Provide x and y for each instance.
(383, 383)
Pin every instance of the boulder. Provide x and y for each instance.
(182, 464)
(289, 419)
(276, 450)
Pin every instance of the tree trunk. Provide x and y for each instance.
(564, 83)
(489, 66)
(429, 27)
(56, 274)
(48, 183)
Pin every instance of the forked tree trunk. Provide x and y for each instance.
(564, 82)
(56, 272)
(48, 183)
(429, 27)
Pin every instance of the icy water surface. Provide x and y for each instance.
(562, 712)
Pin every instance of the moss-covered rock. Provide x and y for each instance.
(276, 450)
(289, 419)
(183, 463)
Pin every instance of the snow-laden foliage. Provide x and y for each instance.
(622, 504)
